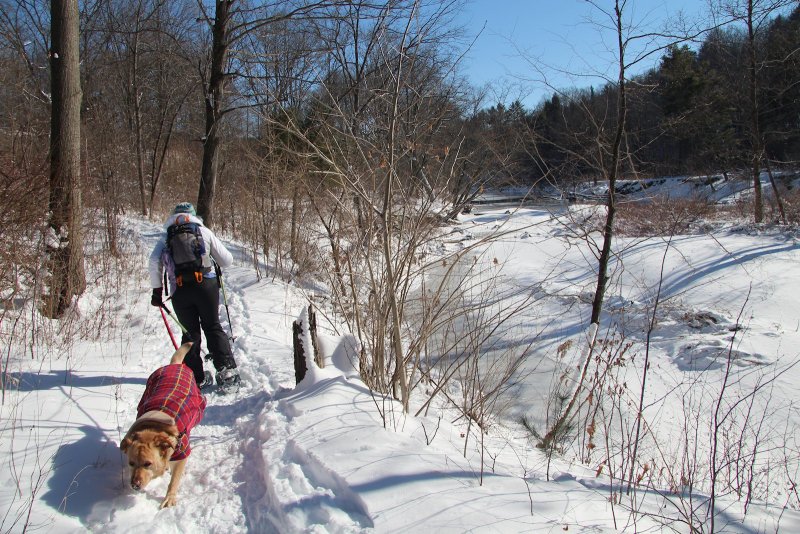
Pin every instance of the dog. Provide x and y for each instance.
(158, 440)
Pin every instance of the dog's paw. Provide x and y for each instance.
(169, 500)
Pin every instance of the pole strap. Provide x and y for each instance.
(172, 316)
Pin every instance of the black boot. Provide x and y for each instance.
(228, 380)
(208, 380)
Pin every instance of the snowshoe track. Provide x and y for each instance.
(283, 489)
(300, 494)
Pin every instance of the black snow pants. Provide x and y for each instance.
(197, 306)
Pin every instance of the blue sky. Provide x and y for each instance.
(525, 42)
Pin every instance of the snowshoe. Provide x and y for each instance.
(228, 380)
(208, 380)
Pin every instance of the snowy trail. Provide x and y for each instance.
(286, 496)
(245, 473)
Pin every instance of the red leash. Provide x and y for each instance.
(166, 323)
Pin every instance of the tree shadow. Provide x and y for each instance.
(29, 381)
(726, 518)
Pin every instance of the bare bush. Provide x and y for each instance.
(726, 448)
(791, 203)
(662, 216)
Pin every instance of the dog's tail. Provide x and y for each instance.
(180, 354)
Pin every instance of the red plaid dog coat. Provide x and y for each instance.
(172, 390)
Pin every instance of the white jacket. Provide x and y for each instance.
(214, 248)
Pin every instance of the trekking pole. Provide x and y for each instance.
(218, 270)
(183, 328)
(166, 323)
(172, 316)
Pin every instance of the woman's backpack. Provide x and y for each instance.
(186, 249)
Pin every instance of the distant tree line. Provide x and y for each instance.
(690, 114)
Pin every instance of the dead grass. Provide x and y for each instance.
(681, 216)
(663, 217)
(23, 195)
(791, 205)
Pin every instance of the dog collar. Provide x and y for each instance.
(156, 415)
(161, 417)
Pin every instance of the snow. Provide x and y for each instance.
(327, 455)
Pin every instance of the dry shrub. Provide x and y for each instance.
(791, 206)
(662, 216)
(743, 209)
(181, 175)
(23, 195)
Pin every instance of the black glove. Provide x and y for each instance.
(156, 298)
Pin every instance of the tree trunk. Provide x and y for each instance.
(400, 377)
(65, 240)
(778, 200)
(611, 170)
(755, 133)
(612, 173)
(214, 96)
(136, 101)
(293, 237)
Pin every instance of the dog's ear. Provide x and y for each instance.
(129, 439)
(166, 445)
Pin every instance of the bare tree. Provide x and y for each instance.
(757, 143)
(278, 73)
(157, 85)
(64, 241)
(213, 98)
(384, 161)
(755, 15)
(610, 159)
(609, 156)
(229, 26)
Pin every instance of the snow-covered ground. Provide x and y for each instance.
(329, 456)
